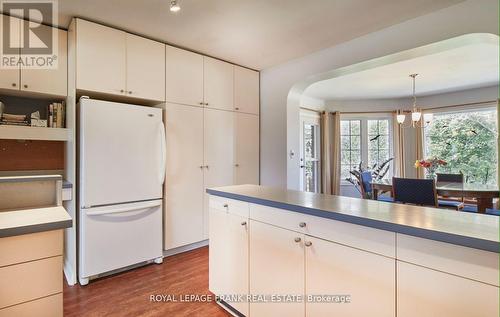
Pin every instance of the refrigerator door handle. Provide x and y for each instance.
(114, 210)
(163, 146)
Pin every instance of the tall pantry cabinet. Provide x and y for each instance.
(212, 124)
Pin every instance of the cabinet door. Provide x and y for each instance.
(49, 81)
(218, 152)
(184, 180)
(218, 84)
(246, 149)
(246, 90)
(184, 77)
(101, 58)
(145, 68)
(333, 269)
(276, 268)
(228, 261)
(9, 78)
(427, 292)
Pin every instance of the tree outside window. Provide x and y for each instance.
(467, 141)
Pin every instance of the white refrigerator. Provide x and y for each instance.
(122, 158)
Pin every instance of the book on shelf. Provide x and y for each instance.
(56, 115)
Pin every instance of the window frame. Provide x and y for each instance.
(363, 118)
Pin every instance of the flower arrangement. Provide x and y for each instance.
(430, 165)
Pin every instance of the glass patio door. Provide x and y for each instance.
(310, 158)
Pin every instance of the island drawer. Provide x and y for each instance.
(29, 281)
(361, 237)
(232, 206)
(29, 247)
(51, 306)
(466, 262)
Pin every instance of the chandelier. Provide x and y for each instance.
(417, 119)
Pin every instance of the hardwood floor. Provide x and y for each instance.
(128, 293)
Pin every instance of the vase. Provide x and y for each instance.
(431, 173)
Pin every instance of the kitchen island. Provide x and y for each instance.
(293, 253)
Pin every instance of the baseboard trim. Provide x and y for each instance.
(185, 248)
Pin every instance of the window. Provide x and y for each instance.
(366, 140)
(467, 141)
(350, 140)
(378, 142)
(310, 151)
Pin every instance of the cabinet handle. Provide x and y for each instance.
(206, 103)
(25, 86)
(302, 224)
(130, 92)
(14, 84)
(206, 166)
(121, 90)
(226, 206)
(244, 223)
(236, 108)
(201, 166)
(237, 165)
(297, 239)
(308, 243)
(201, 103)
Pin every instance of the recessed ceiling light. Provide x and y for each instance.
(174, 6)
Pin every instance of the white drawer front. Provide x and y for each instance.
(361, 237)
(471, 263)
(29, 247)
(51, 306)
(236, 207)
(31, 280)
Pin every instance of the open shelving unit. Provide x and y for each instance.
(35, 133)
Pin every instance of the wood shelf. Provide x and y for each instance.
(35, 133)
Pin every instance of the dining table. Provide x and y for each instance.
(482, 193)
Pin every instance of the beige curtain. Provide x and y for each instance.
(330, 153)
(399, 148)
(419, 151)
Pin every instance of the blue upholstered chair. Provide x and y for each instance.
(366, 187)
(456, 203)
(489, 211)
(414, 191)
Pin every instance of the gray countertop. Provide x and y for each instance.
(24, 221)
(460, 228)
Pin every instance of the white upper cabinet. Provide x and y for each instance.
(246, 90)
(101, 58)
(145, 68)
(114, 62)
(218, 84)
(246, 145)
(9, 78)
(49, 81)
(184, 77)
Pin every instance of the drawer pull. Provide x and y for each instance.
(297, 239)
(308, 243)
(226, 206)
(302, 224)
(244, 223)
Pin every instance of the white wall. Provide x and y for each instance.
(279, 105)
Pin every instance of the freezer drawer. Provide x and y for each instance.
(114, 237)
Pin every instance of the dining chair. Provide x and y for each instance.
(489, 211)
(453, 202)
(415, 191)
(450, 178)
(366, 187)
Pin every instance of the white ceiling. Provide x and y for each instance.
(467, 67)
(254, 33)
